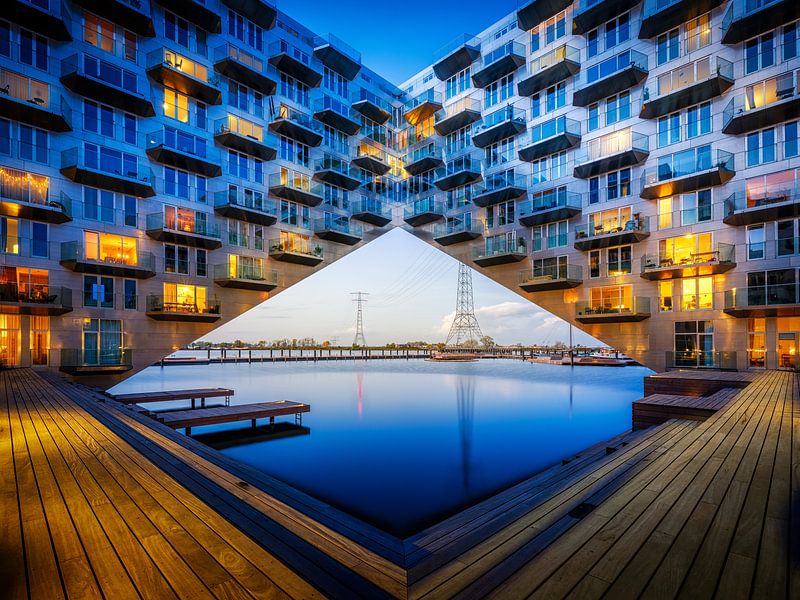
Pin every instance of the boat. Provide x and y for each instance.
(453, 357)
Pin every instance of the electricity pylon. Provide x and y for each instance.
(360, 299)
(465, 325)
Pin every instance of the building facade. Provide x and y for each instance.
(629, 166)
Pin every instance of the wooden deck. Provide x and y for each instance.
(659, 408)
(201, 394)
(697, 382)
(180, 419)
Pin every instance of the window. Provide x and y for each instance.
(791, 41)
(40, 339)
(755, 242)
(665, 296)
(39, 240)
(756, 342)
(594, 117)
(759, 52)
(790, 147)
(237, 164)
(786, 234)
(549, 31)
(176, 183)
(245, 30)
(98, 291)
(33, 144)
(554, 97)
(98, 32)
(331, 80)
(33, 49)
(201, 263)
(698, 120)
(668, 46)
(557, 234)
(9, 235)
(98, 205)
(618, 108)
(129, 294)
(697, 293)
(498, 91)
(619, 261)
(669, 130)
(592, 43)
(696, 207)
(500, 153)
(460, 82)
(698, 33)
(293, 90)
(102, 342)
(611, 299)
(594, 264)
(500, 214)
(618, 184)
(617, 31)
(292, 213)
(176, 105)
(694, 343)
(685, 250)
(176, 29)
(293, 151)
(109, 248)
(761, 147)
(176, 259)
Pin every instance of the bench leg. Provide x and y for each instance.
(193, 403)
(272, 421)
(188, 431)
(253, 423)
(202, 402)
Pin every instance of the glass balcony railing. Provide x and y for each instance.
(157, 303)
(737, 11)
(331, 103)
(337, 165)
(762, 295)
(499, 245)
(549, 273)
(251, 61)
(762, 197)
(686, 163)
(701, 359)
(248, 271)
(506, 49)
(28, 188)
(637, 305)
(371, 205)
(461, 226)
(244, 128)
(458, 165)
(123, 255)
(719, 253)
(340, 45)
(548, 201)
(615, 143)
(365, 95)
(183, 142)
(459, 106)
(284, 47)
(554, 57)
(506, 114)
(297, 117)
(80, 358)
(104, 72)
(499, 181)
(464, 39)
(611, 66)
(205, 227)
(34, 92)
(428, 96)
(688, 75)
(432, 150)
(34, 293)
(338, 224)
(296, 245)
(424, 206)
(550, 129)
(182, 64)
(612, 225)
(762, 95)
(108, 161)
(295, 180)
(246, 199)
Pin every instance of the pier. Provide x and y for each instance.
(186, 419)
(201, 394)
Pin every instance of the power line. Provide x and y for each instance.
(360, 299)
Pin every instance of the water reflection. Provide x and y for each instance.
(465, 401)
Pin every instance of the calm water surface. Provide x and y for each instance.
(402, 444)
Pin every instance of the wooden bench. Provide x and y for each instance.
(186, 419)
(171, 395)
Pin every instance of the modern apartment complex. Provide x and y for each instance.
(630, 166)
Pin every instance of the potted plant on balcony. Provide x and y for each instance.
(317, 250)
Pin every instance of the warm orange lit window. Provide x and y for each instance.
(105, 247)
(98, 32)
(176, 105)
(185, 298)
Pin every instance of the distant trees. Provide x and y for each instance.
(487, 342)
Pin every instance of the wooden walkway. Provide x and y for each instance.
(171, 395)
(659, 408)
(180, 419)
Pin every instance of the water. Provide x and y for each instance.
(403, 444)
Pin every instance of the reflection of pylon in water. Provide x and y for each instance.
(360, 299)
(360, 391)
(465, 399)
(465, 325)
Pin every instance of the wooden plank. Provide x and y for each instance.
(169, 395)
(226, 414)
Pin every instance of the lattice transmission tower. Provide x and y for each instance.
(360, 298)
(465, 325)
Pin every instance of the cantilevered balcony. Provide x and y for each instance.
(424, 158)
(196, 12)
(295, 62)
(108, 83)
(296, 250)
(455, 56)
(457, 231)
(687, 85)
(245, 276)
(463, 170)
(234, 63)
(183, 150)
(260, 12)
(718, 259)
(549, 207)
(659, 16)
(761, 205)
(497, 188)
(133, 15)
(181, 73)
(537, 11)
(371, 158)
(763, 104)
(498, 63)
(246, 205)
(374, 211)
(51, 18)
(422, 106)
(123, 262)
(745, 19)
(610, 76)
(506, 122)
(107, 169)
(297, 125)
(338, 172)
(457, 115)
(687, 171)
(423, 211)
(28, 196)
(376, 109)
(499, 250)
(774, 300)
(80, 362)
(33, 102)
(185, 231)
(623, 148)
(337, 56)
(550, 137)
(34, 299)
(550, 68)
(245, 136)
(339, 229)
(605, 233)
(551, 277)
(169, 308)
(296, 187)
(629, 310)
(336, 114)
(589, 14)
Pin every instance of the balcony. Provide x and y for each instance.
(590, 14)
(168, 308)
(423, 159)
(624, 148)
(537, 11)
(338, 229)
(336, 171)
(246, 277)
(196, 12)
(260, 12)
(775, 300)
(336, 114)
(763, 104)
(719, 259)
(115, 175)
(447, 234)
(77, 361)
(120, 263)
(550, 68)
(499, 125)
(424, 211)
(687, 171)
(244, 136)
(499, 251)
(246, 68)
(183, 151)
(688, 85)
(611, 232)
(459, 171)
(422, 106)
(53, 22)
(660, 16)
(244, 205)
(295, 63)
(549, 278)
(371, 106)
(774, 203)
(33, 102)
(371, 210)
(613, 75)
(180, 73)
(498, 63)
(34, 299)
(746, 19)
(337, 56)
(24, 195)
(133, 15)
(701, 359)
(100, 80)
(555, 205)
(296, 187)
(186, 231)
(298, 251)
(457, 115)
(497, 188)
(372, 159)
(456, 56)
(550, 137)
(296, 125)
(597, 313)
